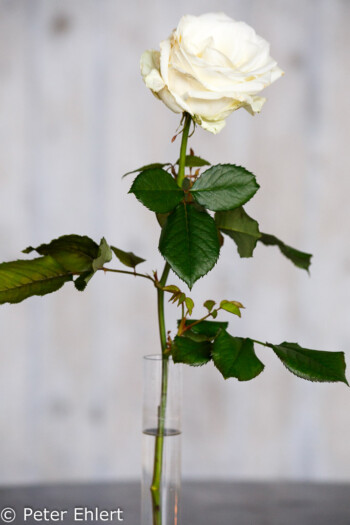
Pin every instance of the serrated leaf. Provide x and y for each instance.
(300, 259)
(224, 187)
(147, 167)
(204, 330)
(314, 365)
(209, 305)
(127, 258)
(157, 190)
(189, 305)
(22, 279)
(238, 225)
(189, 243)
(77, 254)
(192, 161)
(74, 252)
(233, 307)
(104, 255)
(199, 338)
(185, 350)
(235, 357)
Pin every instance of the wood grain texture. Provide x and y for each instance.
(75, 116)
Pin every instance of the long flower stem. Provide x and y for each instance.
(156, 489)
(156, 486)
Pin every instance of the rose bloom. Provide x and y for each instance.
(210, 66)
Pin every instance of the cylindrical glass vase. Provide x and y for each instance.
(161, 454)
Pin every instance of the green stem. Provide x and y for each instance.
(156, 486)
(156, 489)
(260, 343)
(189, 326)
(182, 159)
(159, 444)
(135, 274)
(160, 295)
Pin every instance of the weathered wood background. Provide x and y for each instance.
(74, 116)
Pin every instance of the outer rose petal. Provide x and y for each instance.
(149, 65)
(276, 73)
(212, 126)
(255, 105)
(150, 71)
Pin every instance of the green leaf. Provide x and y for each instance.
(21, 279)
(185, 350)
(224, 187)
(77, 254)
(161, 218)
(180, 298)
(314, 365)
(231, 306)
(235, 357)
(74, 252)
(171, 288)
(127, 258)
(104, 255)
(209, 305)
(157, 190)
(300, 259)
(204, 330)
(192, 161)
(189, 305)
(148, 167)
(241, 228)
(189, 243)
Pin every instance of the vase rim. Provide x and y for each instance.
(155, 357)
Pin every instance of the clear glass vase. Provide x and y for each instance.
(161, 454)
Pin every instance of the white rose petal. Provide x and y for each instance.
(150, 70)
(209, 67)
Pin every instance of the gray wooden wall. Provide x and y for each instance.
(74, 116)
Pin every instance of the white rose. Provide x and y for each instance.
(210, 66)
